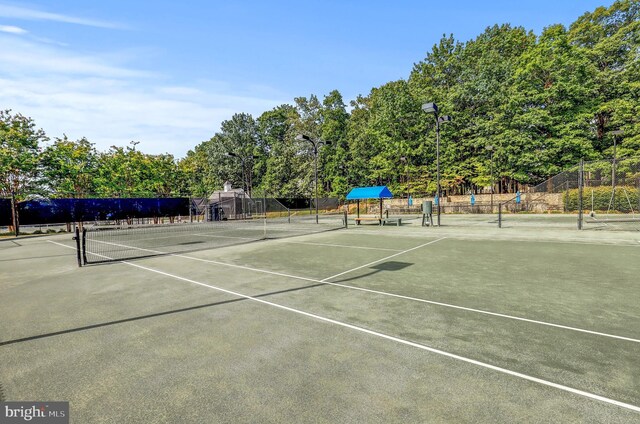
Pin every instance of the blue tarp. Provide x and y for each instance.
(378, 192)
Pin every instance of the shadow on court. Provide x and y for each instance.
(154, 315)
(384, 266)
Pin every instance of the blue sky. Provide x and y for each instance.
(167, 73)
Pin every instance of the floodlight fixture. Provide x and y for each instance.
(430, 108)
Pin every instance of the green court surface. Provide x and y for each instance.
(368, 324)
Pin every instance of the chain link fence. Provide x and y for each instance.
(603, 195)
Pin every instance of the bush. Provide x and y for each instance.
(598, 198)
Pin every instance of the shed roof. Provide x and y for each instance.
(377, 192)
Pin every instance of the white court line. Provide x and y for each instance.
(395, 339)
(415, 299)
(402, 341)
(510, 238)
(337, 245)
(399, 296)
(381, 260)
(216, 236)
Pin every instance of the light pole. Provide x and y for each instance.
(245, 187)
(491, 149)
(316, 145)
(433, 108)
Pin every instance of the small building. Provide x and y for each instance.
(229, 203)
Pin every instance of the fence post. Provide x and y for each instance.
(78, 248)
(84, 245)
(580, 193)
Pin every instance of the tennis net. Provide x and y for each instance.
(120, 242)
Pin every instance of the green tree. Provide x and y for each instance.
(309, 122)
(199, 177)
(69, 167)
(394, 129)
(277, 132)
(19, 155)
(610, 39)
(359, 142)
(238, 136)
(334, 157)
(19, 158)
(551, 107)
(127, 172)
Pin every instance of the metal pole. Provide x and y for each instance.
(78, 247)
(243, 187)
(84, 246)
(492, 184)
(438, 166)
(580, 193)
(613, 174)
(315, 153)
(499, 215)
(408, 183)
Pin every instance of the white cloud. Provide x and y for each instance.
(22, 56)
(110, 103)
(12, 29)
(17, 12)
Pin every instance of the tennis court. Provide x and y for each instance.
(461, 323)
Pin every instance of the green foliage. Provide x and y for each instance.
(598, 199)
(127, 172)
(19, 155)
(69, 167)
(541, 102)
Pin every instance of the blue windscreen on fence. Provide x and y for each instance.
(5, 212)
(51, 211)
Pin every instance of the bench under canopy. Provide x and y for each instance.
(367, 193)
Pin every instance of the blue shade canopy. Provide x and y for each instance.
(378, 192)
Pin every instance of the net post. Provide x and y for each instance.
(84, 245)
(499, 215)
(580, 193)
(78, 248)
(346, 223)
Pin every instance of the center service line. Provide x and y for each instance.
(400, 341)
